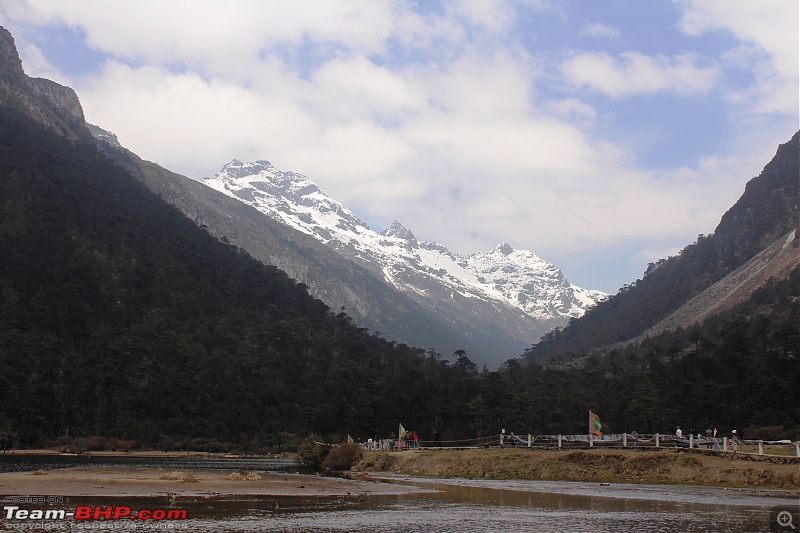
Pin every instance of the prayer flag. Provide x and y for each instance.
(594, 424)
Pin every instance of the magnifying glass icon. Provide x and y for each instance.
(785, 519)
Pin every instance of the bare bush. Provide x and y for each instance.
(343, 457)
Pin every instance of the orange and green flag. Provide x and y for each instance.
(594, 424)
(401, 432)
(349, 439)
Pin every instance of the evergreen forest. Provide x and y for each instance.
(123, 321)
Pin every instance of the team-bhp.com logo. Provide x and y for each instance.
(93, 512)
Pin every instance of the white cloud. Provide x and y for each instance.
(449, 120)
(217, 38)
(496, 16)
(356, 87)
(768, 27)
(36, 65)
(651, 255)
(574, 110)
(186, 122)
(600, 30)
(635, 73)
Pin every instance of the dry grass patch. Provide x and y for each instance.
(241, 475)
(183, 477)
(628, 466)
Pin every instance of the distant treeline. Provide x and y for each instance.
(120, 318)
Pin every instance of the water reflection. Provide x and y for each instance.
(451, 509)
(448, 511)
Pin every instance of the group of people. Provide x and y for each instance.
(712, 434)
(411, 439)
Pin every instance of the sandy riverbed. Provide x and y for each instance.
(146, 481)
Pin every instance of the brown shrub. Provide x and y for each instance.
(343, 457)
(243, 475)
(180, 476)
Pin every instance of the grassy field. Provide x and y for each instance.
(667, 466)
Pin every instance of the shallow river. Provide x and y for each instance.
(479, 506)
(484, 509)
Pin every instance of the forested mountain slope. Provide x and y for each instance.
(338, 282)
(369, 301)
(122, 318)
(776, 262)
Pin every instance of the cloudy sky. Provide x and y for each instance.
(602, 135)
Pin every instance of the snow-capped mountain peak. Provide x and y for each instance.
(238, 169)
(503, 248)
(399, 231)
(288, 197)
(516, 289)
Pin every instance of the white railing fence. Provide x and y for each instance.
(618, 440)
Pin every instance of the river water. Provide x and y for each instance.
(475, 508)
(464, 506)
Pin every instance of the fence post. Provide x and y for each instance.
(529, 440)
(761, 447)
(724, 444)
(691, 441)
(591, 440)
(797, 448)
(501, 438)
(624, 440)
(657, 443)
(559, 441)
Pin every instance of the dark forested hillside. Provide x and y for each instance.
(738, 370)
(768, 209)
(120, 318)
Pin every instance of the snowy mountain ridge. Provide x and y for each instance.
(503, 277)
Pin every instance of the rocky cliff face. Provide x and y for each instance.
(766, 211)
(53, 105)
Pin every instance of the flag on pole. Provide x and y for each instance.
(349, 439)
(401, 433)
(594, 424)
